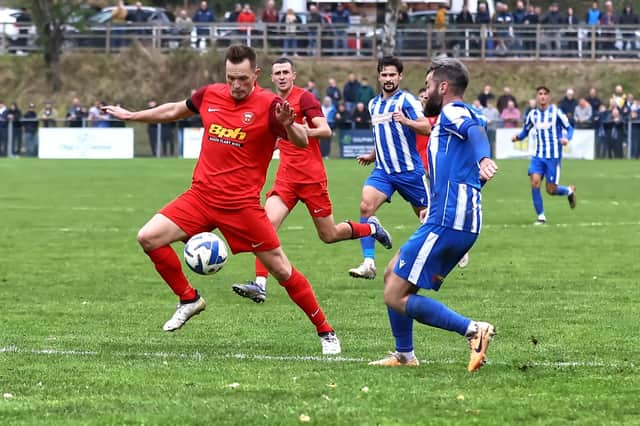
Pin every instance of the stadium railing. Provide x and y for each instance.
(539, 42)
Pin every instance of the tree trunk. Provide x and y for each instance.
(48, 17)
(389, 29)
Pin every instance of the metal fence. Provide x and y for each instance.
(358, 41)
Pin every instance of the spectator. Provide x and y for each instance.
(440, 27)
(594, 100)
(30, 128)
(168, 137)
(402, 22)
(510, 115)
(340, 19)
(483, 19)
(3, 130)
(246, 17)
(568, 105)
(582, 114)
(615, 134)
(329, 111)
(361, 117)
(23, 19)
(350, 92)
(152, 132)
(572, 31)
(75, 114)
(531, 105)
(333, 91)
(628, 17)
(14, 118)
(202, 19)
(464, 17)
(365, 92)
(291, 21)
(314, 21)
(599, 119)
(618, 97)
(608, 22)
(504, 99)
(270, 13)
(311, 87)
(635, 133)
(184, 27)
(532, 17)
(504, 19)
(593, 14)
(486, 95)
(343, 120)
(554, 37)
(138, 14)
(492, 115)
(49, 115)
(233, 15)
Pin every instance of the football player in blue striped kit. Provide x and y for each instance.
(551, 131)
(396, 118)
(459, 164)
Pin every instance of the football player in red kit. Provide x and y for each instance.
(242, 123)
(302, 177)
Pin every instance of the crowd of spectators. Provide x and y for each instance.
(610, 118)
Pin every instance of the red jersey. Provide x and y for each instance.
(422, 144)
(237, 145)
(302, 165)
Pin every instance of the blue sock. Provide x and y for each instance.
(368, 244)
(436, 314)
(562, 190)
(537, 200)
(402, 329)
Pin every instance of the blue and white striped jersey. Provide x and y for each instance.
(454, 183)
(545, 128)
(395, 144)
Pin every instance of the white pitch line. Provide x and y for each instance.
(198, 356)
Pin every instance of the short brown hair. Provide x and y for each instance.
(237, 53)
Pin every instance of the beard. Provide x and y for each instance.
(389, 88)
(433, 106)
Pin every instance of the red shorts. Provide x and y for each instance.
(246, 229)
(315, 195)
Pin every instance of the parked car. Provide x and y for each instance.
(14, 30)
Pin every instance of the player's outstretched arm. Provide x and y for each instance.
(320, 129)
(420, 125)
(164, 113)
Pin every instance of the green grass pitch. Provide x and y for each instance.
(82, 310)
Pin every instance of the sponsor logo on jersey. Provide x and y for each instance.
(223, 132)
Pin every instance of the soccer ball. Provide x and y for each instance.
(205, 253)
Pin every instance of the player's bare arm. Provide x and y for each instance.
(421, 125)
(564, 141)
(164, 113)
(320, 129)
(514, 138)
(366, 159)
(296, 133)
(488, 168)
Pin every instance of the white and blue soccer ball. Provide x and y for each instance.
(205, 253)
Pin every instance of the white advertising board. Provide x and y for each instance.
(85, 143)
(581, 146)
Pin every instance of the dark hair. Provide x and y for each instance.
(452, 71)
(238, 52)
(390, 61)
(284, 60)
(543, 87)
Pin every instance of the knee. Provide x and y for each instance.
(366, 208)
(145, 240)
(551, 189)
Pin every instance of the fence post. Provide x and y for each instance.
(158, 140)
(10, 139)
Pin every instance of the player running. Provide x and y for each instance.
(549, 124)
(458, 161)
(396, 117)
(301, 176)
(242, 123)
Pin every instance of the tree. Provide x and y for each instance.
(388, 42)
(50, 18)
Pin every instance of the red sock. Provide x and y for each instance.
(261, 270)
(169, 267)
(359, 230)
(301, 293)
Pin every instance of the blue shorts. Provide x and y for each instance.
(412, 186)
(549, 168)
(431, 253)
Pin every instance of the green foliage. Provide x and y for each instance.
(81, 340)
